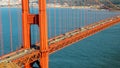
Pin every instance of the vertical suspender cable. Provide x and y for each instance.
(77, 16)
(10, 19)
(82, 20)
(99, 3)
(54, 17)
(19, 32)
(95, 13)
(73, 16)
(85, 12)
(67, 23)
(71, 26)
(58, 24)
(66, 17)
(69, 16)
(19, 25)
(80, 16)
(1, 36)
(18, 28)
(94, 17)
(49, 21)
(60, 19)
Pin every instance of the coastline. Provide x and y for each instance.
(73, 7)
(63, 7)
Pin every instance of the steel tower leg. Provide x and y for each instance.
(26, 27)
(27, 65)
(43, 34)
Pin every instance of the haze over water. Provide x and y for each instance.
(98, 51)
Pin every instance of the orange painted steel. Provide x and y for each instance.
(35, 55)
(33, 18)
(26, 28)
(25, 24)
(44, 58)
(41, 20)
(28, 58)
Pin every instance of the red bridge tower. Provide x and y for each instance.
(41, 20)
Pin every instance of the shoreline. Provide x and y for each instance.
(50, 7)
(74, 7)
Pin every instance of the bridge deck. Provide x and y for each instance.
(23, 56)
(8, 65)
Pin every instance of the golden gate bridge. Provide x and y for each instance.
(27, 54)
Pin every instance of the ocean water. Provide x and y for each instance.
(98, 51)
